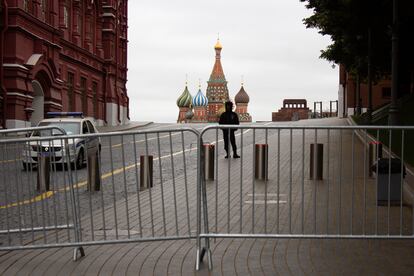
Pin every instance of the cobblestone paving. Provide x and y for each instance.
(232, 256)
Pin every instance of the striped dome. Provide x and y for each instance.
(200, 99)
(241, 96)
(185, 99)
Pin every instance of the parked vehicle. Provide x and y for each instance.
(74, 124)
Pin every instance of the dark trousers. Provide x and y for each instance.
(232, 140)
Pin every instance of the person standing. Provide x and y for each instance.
(229, 118)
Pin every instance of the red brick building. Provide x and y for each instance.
(347, 102)
(63, 55)
(292, 110)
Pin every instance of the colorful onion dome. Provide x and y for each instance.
(241, 96)
(189, 114)
(185, 99)
(199, 99)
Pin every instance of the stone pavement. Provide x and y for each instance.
(249, 256)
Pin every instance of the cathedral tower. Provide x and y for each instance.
(217, 92)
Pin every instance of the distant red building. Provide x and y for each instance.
(63, 55)
(292, 110)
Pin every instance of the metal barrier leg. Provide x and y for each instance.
(200, 174)
(76, 223)
(202, 203)
(76, 251)
(206, 249)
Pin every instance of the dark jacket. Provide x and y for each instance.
(229, 118)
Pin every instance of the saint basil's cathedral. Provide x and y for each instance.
(208, 108)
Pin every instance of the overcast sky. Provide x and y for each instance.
(263, 40)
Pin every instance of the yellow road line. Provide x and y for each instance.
(9, 161)
(28, 201)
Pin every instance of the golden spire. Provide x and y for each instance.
(242, 80)
(218, 44)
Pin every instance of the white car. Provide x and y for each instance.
(74, 124)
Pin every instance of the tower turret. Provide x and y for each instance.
(184, 104)
(242, 100)
(200, 103)
(217, 91)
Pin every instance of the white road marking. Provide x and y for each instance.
(263, 202)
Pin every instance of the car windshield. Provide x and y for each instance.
(70, 128)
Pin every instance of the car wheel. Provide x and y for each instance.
(80, 159)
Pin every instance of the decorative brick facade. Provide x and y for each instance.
(63, 55)
(292, 110)
(217, 91)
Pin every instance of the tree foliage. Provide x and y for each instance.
(348, 23)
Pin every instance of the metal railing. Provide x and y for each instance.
(27, 211)
(116, 208)
(343, 203)
(151, 185)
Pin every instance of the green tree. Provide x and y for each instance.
(361, 34)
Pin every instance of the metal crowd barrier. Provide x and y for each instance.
(336, 200)
(144, 185)
(91, 203)
(30, 208)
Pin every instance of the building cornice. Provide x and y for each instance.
(32, 19)
(17, 94)
(15, 65)
(53, 103)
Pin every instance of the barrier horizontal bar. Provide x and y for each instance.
(104, 242)
(305, 236)
(35, 229)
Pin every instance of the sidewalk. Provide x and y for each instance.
(129, 126)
